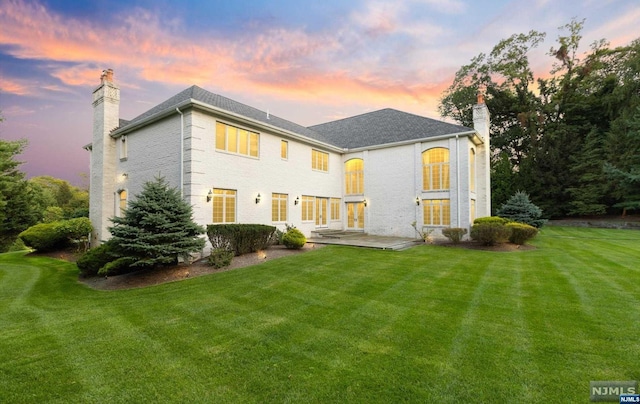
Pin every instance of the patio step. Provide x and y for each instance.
(339, 234)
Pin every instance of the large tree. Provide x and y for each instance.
(552, 136)
(156, 229)
(18, 210)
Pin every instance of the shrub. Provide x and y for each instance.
(454, 234)
(94, 259)
(520, 209)
(220, 258)
(294, 239)
(57, 235)
(43, 237)
(491, 219)
(521, 232)
(490, 233)
(240, 238)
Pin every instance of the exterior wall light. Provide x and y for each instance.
(209, 196)
(258, 199)
(297, 201)
(417, 201)
(125, 175)
(365, 203)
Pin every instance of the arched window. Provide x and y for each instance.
(435, 169)
(354, 177)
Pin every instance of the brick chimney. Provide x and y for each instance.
(482, 124)
(106, 117)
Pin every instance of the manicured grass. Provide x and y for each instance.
(340, 324)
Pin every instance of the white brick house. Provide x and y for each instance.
(377, 172)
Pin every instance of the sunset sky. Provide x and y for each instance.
(306, 61)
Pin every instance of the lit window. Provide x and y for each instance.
(437, 212)
(335, 208)
(354, 177)
(472, 170)
(435, 169)
(279, 207)
(122, 203)
(236, 140)
(284, 149)
(307, 207)
(319, 160)
(224, 205)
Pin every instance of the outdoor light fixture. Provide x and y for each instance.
(258, 199)
(417, 201)
(125, 175)
(209, 196)
(365, 203)
(297, 201)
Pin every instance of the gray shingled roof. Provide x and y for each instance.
(198, 94)
(383, 127)
(371, 129)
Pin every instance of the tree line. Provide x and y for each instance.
(570, 140)
(26, 202)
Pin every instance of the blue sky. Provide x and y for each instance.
(306, 61)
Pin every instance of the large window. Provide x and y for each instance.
(335, 208)
(235, 140)
(224, 205)
(435, 169)
(279, 207)
(354, 177)
(472, 210)
(319, 160)
(307, 207)
(472, 170)
(284, 149)
(437, 212)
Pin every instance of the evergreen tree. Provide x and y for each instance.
(157, 228)
(18, 209)
(520, 209)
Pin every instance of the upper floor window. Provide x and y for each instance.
(284, 149)
(354, 177)
(122, 202)
(435, 169)
(235, 140)
(319, 160)
(224, 205)
(472, 170)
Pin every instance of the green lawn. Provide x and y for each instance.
(339, 324)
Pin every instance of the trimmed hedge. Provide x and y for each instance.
(454, 234)
(490, 233)
(220, 258)
(294, 239)
(491, 219)
(240, 238)
(56, 235)
(94, 259)
(521, 232)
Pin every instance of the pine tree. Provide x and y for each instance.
(520, 209)
(156, 228)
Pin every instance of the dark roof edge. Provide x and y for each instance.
(469, 133)
(208, 107)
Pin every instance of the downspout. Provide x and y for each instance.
(458, 190)
(181, 153)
